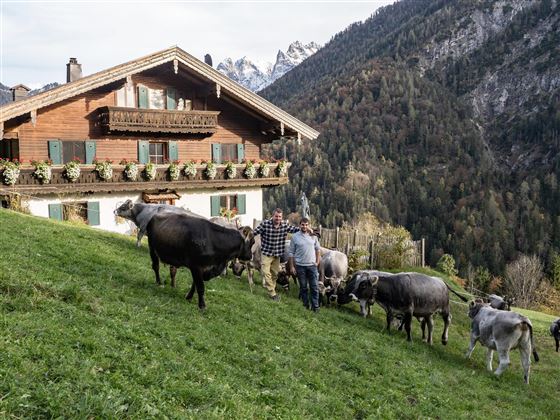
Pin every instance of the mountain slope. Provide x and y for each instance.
(87, 333)
(423, 99)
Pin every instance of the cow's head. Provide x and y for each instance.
(510, 301)
(125, 210)
(246, 253)
(237, 267)
(284, 278)
(475, 306)
(367, 289)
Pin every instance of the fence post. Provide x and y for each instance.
(370, 246)
(336, 238)
(423, 252)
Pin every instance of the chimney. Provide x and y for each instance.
(19, 92)
(73, 70)
(208, 59)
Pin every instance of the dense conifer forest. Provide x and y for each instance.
(425, 122)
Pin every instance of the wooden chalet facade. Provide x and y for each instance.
(165, 107)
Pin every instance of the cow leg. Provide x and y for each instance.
(250, 277)
(557, 343)
(503, 354)
(389, 319)
(408, 325)
(198, 279)
(446, 321)
(172, 274)
(489, 359)
(525, 362)
(429, 320)
(474, 339)
(190, 294)
(155, 264)
(364, 307)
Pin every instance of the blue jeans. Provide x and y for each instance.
(308, 275)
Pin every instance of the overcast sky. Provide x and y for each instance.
(38, 37)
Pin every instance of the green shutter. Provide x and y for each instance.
(143, 97)
(55, 211)
(216, 152)
(215, 205)
(93, 213)
(240, 153)
(171, 98)
(143, 151)
(241, 206)
(55, 151)
(90, 152)
(173, 151)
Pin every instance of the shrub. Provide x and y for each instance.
(446, 264)
(523, 277)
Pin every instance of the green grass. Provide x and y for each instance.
(85, 332)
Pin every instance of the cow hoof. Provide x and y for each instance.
(187, 297)
(444, 342)
(202, 308)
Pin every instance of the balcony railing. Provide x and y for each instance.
(114, 118)
(89, 180)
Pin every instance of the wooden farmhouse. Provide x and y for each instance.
(163, 108)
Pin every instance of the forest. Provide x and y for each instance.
(401, 138)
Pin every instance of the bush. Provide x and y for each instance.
(523, 277)
(446, 264)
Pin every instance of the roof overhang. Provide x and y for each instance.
(173, 55)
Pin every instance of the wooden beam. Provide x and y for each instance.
(176, 66)
(33, 114)
(1, 130)
(218, 88)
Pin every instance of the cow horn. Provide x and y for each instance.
(374, 280)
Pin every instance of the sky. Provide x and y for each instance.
(38, 37)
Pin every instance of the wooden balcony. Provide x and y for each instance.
(122, 119)
(89, 181)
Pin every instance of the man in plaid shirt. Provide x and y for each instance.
(273, 237)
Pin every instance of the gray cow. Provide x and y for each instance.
(141, 214)
(555, 331)
(501, 303)
(501, 331)
(333, 269)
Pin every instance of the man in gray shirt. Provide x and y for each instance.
(304, 251)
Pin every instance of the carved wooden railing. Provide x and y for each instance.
(114, 118)
(89, 180)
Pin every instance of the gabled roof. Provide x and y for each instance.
(113, 74)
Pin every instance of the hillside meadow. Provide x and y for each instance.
(86, 333)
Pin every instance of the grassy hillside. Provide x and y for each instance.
(87, 333)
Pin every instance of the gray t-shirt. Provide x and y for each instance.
(303, 248)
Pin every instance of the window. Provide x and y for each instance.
(158, 152)
(227, 202)
(76, 211)
(223, 152)
(72, 149)
(9, 149)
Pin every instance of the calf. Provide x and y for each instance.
(501, 331)
(555, 331)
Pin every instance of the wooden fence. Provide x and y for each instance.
(375, 250)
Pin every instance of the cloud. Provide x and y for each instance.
(37, 39)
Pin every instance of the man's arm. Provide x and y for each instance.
(291, 252)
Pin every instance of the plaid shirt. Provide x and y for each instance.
(273, 239)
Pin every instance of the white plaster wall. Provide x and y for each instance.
(197, 201)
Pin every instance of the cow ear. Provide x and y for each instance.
(246, 231)
(374, 280)
(128, 203)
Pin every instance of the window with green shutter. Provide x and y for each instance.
(143, 151)
(143, 99)
(55, 151)
(173, 151)
(93, 215)
(215, 205)
(241, 205)
(55, 211)
(240, 152)
(217, 152)
(90, 152)
(171, 98)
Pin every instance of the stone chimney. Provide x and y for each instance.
(73, 70)
(19, 92)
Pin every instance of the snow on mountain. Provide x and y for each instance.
(256, 76)
(6, 94)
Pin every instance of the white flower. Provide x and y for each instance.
(250, 170)
(189, 169)
(104, 169)
(72, 170)
(231, 170)
(43, 172)
(264, 169)
(174, 171)
(11, 173)
(150, 171)
(131, 171)
(282, 168)
(210, 170)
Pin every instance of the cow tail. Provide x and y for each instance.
(535, 354)
(464, 299)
